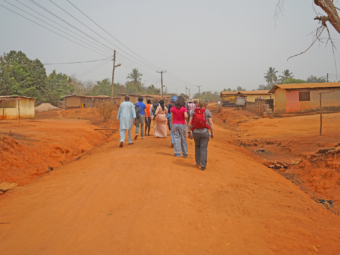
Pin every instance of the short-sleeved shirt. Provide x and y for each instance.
(209, 116)
(142, 107)
(179, 115)
(148, 106)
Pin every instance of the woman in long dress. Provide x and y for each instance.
(161, 112)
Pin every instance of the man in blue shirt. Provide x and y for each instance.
(140, 118)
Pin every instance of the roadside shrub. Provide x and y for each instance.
(105, 110)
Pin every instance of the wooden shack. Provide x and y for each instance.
(16, 107)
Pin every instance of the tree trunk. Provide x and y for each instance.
(329, 7)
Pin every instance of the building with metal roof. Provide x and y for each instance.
(16, 107)
(305, 97)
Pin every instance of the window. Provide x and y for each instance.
(304, 96)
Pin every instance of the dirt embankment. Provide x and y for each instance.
(40, 145)
(290, 146)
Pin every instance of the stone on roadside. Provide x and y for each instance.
(323, 150)
(5, 186)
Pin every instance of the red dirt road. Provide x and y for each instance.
(140, 199)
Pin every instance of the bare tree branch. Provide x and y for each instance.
(332, 13)
(318, 34)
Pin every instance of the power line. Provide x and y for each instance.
(79, 62)
(50, 30)
(110, 34)
(60, 25)
(55, 27)
(92, 69)
(93, 30)
(42, 7)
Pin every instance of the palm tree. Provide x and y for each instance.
(286, 74)
(135, 76)
(270, 76)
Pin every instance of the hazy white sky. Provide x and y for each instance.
(217, 43)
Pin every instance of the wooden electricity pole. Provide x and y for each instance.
(113, 73)
(327, 77)
(161, 72)
(320, 114)
(199, 89)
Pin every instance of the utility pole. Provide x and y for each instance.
(320, 113)
(199, 89)
(113, 73)
(327, 77)
(186, 88)
(161, 72)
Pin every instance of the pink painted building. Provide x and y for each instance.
(305, 97)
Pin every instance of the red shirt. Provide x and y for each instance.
(179, 115)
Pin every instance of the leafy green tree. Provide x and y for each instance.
(286, 74)
(314, 79)
(152, 90)
(292, 80)
(262, 87)
(102, 88)
(229, 89)
(57, 86)
(22, 76)
(270, 76)
(239, 88)
(135, 77)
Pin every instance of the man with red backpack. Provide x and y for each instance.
(200, 122)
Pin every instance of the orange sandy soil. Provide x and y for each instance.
(295, 141)
(140, 199)
(36, 146)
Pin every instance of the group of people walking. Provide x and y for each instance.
(180, 117)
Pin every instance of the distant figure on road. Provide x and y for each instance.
(153, 109)
(126, 114)
(178, 116)
(140, 118)
(191, 106)
(170, 105)
(161, 112)
(200, 121)
(148, 117)
(219, 102)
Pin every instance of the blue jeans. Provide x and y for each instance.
(180, 142)
(122, 135)
(171, 135)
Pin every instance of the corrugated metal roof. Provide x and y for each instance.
(253, 92)
(16, 97)
(306, 86)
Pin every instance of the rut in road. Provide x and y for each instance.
(140, 199)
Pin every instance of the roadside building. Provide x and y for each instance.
(228, 98)
(15, 107)
(133, 98)
(87, 101)
(305, 97)
(74, 101)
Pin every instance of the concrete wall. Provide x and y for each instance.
(73, 101)
(261, 106)
(11, 110)
(251, 98)
(280, 101)
(288, 101)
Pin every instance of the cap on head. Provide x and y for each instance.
(173, 99)
(190, 100)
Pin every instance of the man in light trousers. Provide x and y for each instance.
(126, 114)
